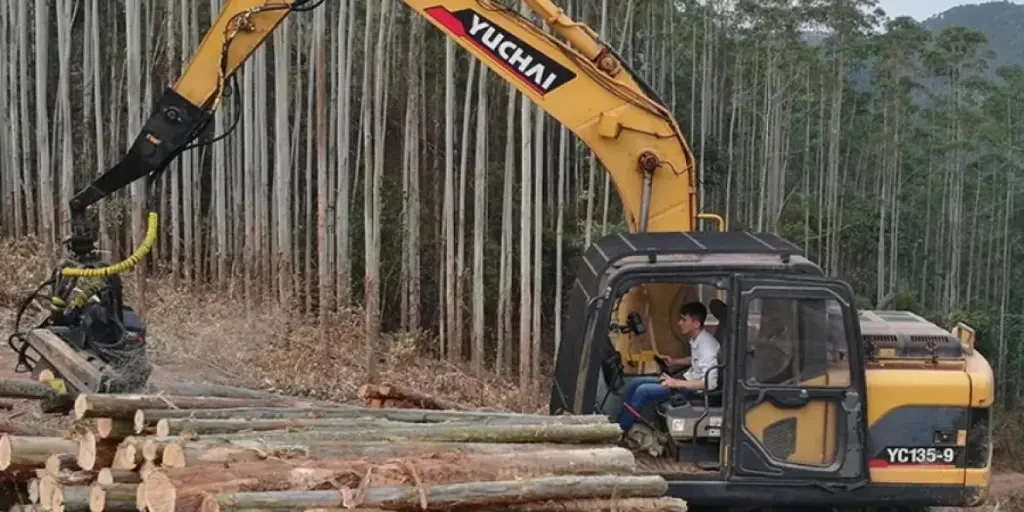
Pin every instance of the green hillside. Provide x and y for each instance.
(1001, 22)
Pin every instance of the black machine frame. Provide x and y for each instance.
(620, 261)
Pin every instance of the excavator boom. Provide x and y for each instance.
(580, 82)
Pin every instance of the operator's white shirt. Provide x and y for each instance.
(704, 356)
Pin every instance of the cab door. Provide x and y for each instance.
(798, 391)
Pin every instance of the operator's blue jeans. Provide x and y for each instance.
(641, 391)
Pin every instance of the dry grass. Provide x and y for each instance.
(211, 337)
(24, 265)
(271, 348)
(1008, 434)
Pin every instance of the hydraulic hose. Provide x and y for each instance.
(124, 266)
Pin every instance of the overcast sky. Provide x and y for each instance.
(921, 9)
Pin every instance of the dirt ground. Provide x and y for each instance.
(212, 338)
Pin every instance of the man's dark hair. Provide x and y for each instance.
(695, 310)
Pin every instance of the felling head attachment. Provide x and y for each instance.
(85, 229)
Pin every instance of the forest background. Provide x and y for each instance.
(382, 185)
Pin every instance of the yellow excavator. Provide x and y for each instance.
(819, 404)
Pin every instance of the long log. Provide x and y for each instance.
(402, 393)
(25, 389)
(61, 462)
(124, 406)
(208, 389)
(581, 505)
(21, 428)
(114, 429)
(508, 433)
(177, 427)
(440, 497)
(271, 474)
(21, 452)
(107, 476)
(68, 499)
(147, 417)
(460, 433)
(113, 497)
(192, 453)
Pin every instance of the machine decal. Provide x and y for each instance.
(534, 68)
(917, 436)
(917, 455)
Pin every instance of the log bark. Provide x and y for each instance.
(114, 429)
(423, 400)
(61, 462)
(68, 478)
(192, 453)
(177, 427)
(440, 497)
(67, 499)
(124, 406)
(113, 497)
(270, 475)
(20, 428)
(210, 390)
(107, 476)
(25, 389)
(146, 417)
(581, 505)
(509, 433)
(21, 452)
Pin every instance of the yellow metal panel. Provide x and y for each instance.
(483, 27)
(254, 20)
(920, 475)
(890, 389)
(982, 380)
(813, 446)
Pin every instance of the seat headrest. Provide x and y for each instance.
(718, 308)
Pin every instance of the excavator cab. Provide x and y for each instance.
(789, 407)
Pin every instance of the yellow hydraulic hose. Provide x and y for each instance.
(126, 265)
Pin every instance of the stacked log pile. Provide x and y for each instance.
(164, 453)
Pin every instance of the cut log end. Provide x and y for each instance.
(86, 450)
(160, 493)
(139, 421)
(5, 451)
(163, 428)
(173, 456)
(110, 428)
(126, 457)
(81, 406)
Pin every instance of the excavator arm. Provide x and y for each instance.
(180, 115)
(580, 82)
(572, 75)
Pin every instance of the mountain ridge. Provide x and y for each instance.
(1001, 21)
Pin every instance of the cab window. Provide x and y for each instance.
(796, 342)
